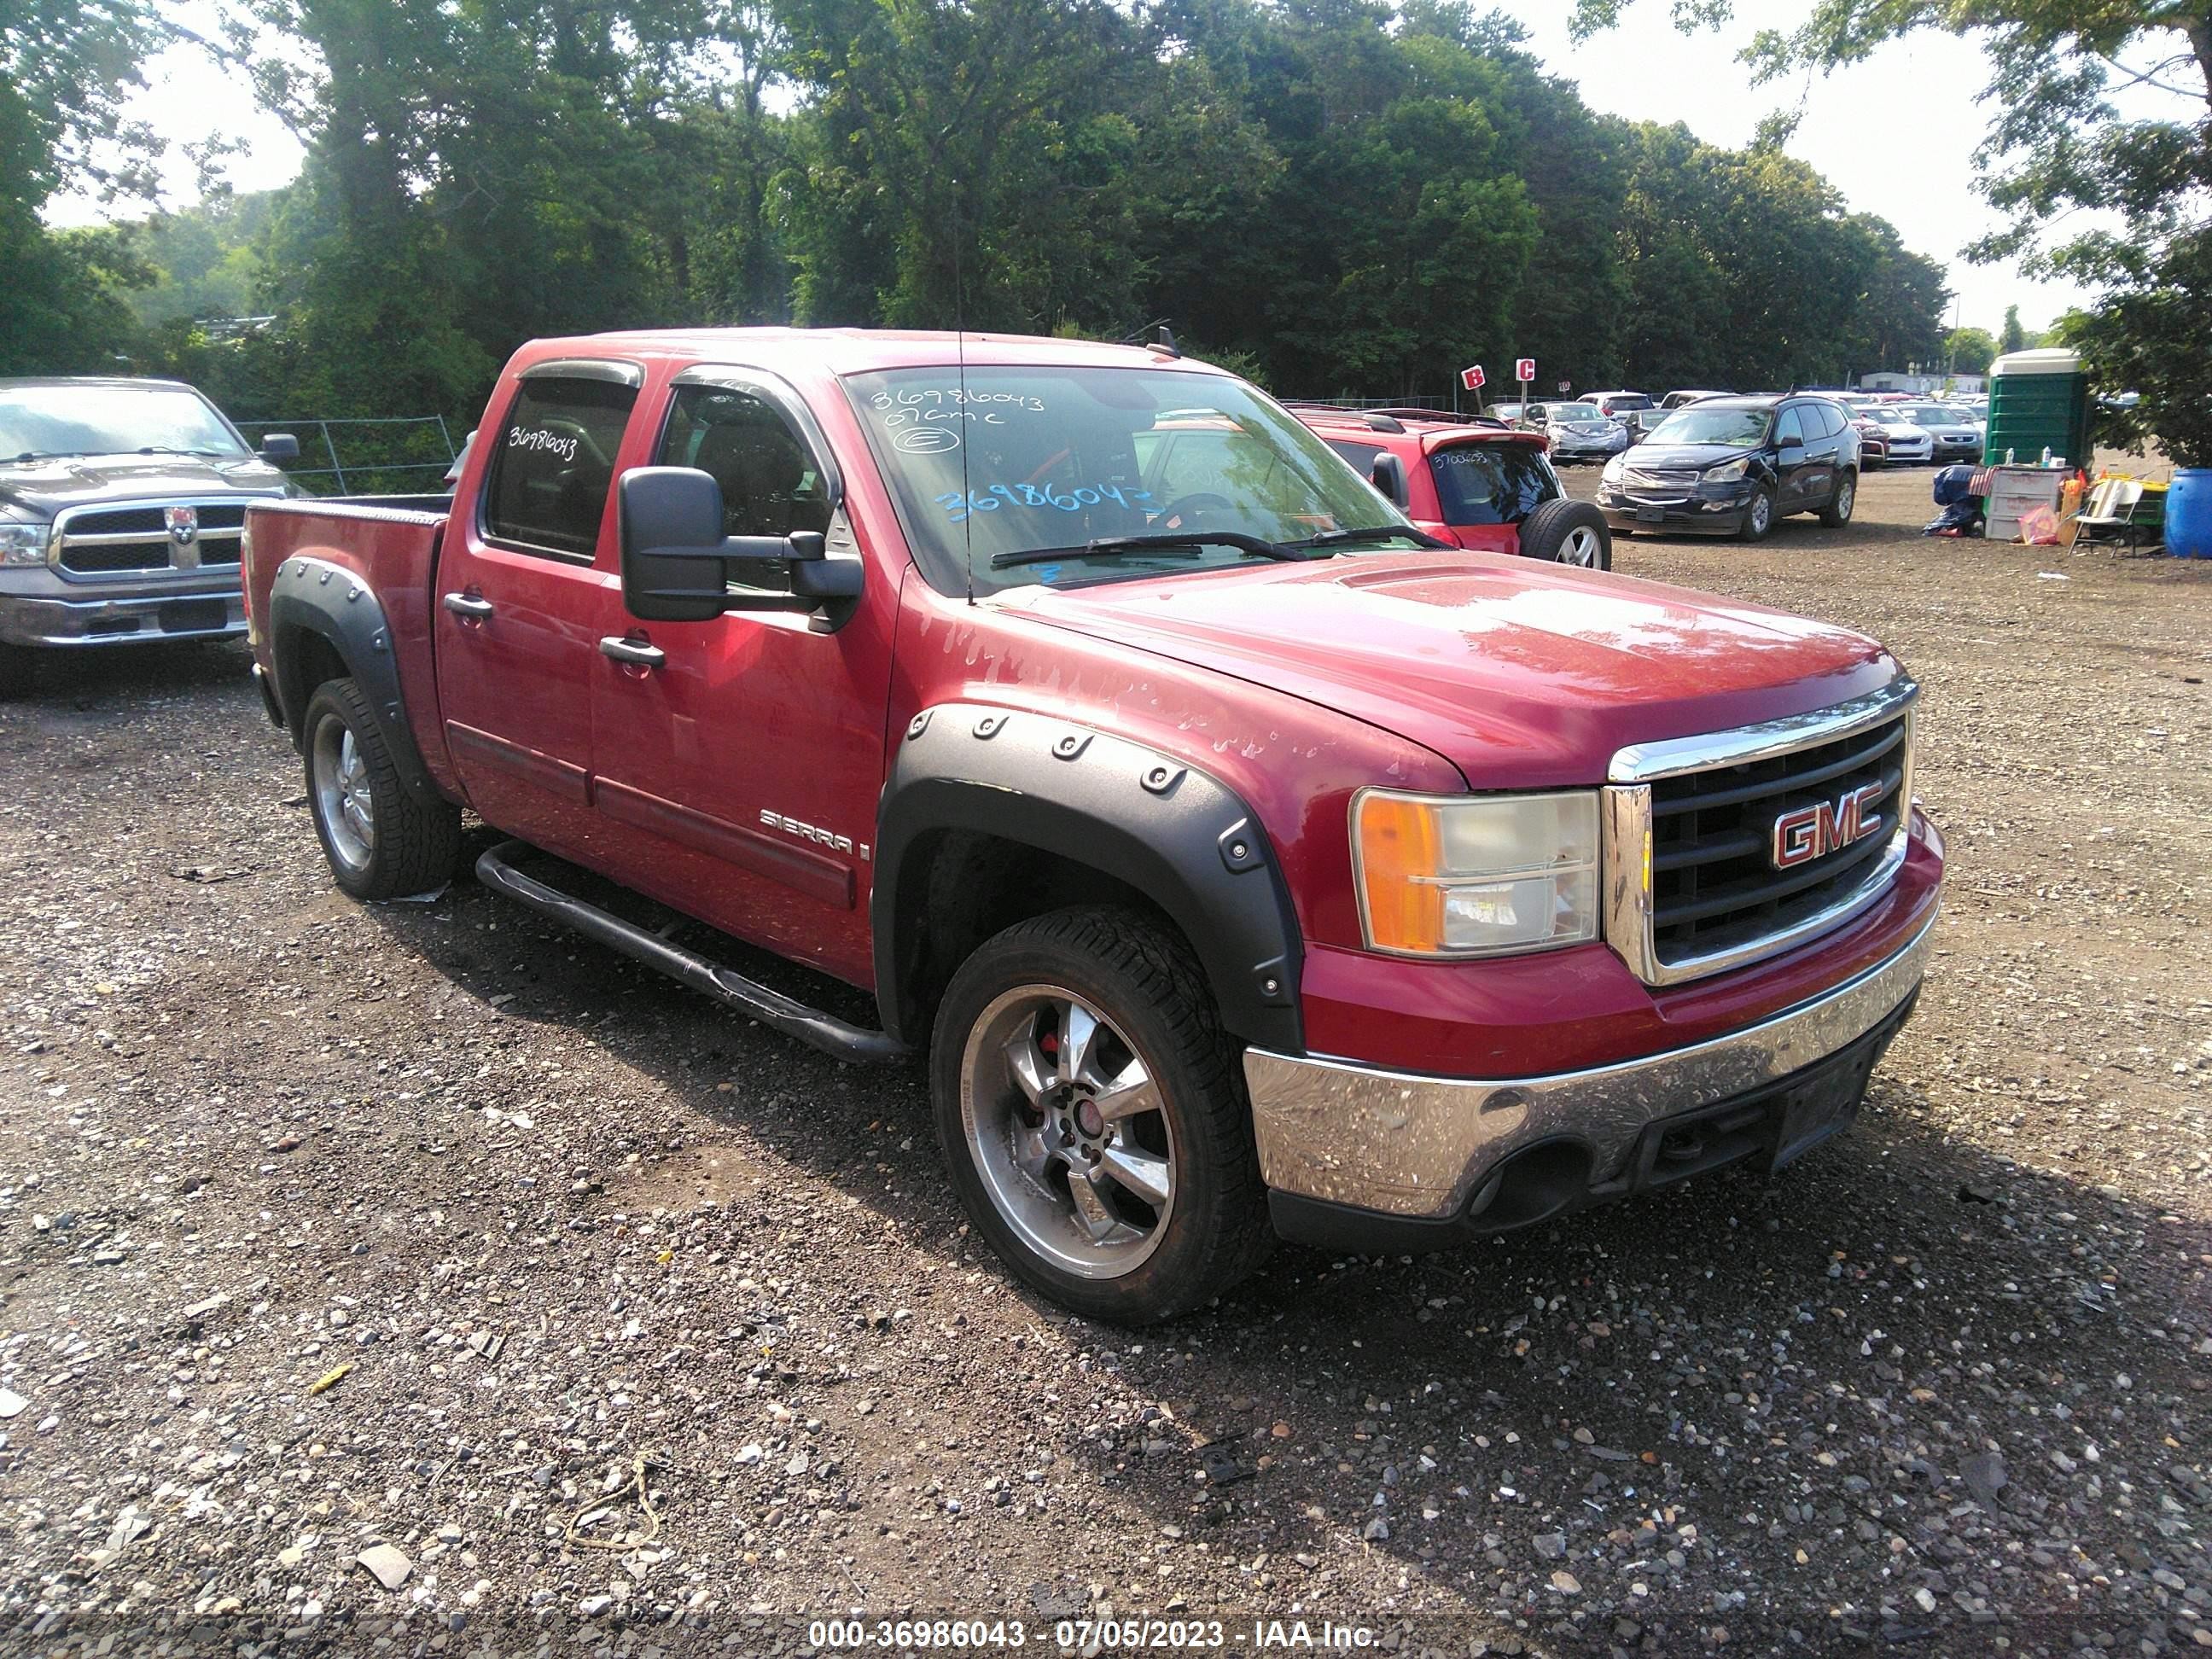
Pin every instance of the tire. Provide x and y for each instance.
(1838, 513)
(1017, 1122)
(398, 845)
(1568, 532)
(1758, 517)
(18, 671)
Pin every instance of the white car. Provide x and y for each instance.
(1578, 431)
(1954, 434)
(1910, 444)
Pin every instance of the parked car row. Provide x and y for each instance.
(1578, 431)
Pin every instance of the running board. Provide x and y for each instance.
(773, 1009)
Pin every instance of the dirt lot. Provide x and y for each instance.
(1943, 1384)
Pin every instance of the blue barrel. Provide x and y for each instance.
(2189, 513)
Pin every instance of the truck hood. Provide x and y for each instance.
(38, 489)
(1523, 675)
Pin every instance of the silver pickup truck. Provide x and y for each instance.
(121, 506)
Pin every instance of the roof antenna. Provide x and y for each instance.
(1156, 336)
(960, 424)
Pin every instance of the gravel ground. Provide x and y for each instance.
(549, 1222)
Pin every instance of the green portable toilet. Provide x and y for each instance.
(2039, 400)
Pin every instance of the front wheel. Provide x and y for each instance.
(1838, 513)
(1091, 1112)
(1758, 516)
(380, 841)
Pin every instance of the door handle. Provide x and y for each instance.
(630, 650)
(466, 604)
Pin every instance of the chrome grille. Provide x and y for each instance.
(107, 541)
(1637, 477)
(1697, 881)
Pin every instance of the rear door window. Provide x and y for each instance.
(554, 462)
(1491, 484)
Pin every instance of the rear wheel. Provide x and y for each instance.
(382, 842)
(1568, 532)
(1092, 1112)
(1838, 513)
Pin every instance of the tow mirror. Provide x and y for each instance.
(279, 447)
(1387, 475)
(678, 566)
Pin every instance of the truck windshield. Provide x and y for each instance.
(111, 420)
(1025, 458)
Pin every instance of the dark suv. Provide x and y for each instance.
(1731, 466)
(1473, 481)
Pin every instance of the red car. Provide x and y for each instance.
(1874, 440)
(1242, 861)
(1478, 483)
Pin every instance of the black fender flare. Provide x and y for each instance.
(1180, 836)
(315, 596)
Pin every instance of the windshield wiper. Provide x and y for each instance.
(1338, 538)
(44, 455)
(164, 449)
(1258, 545)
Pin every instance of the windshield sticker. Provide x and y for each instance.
(958, 506)
(538, 438)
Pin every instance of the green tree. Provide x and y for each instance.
(1970, 351)
(2014, 337)
(2059, 144)
(66, 68)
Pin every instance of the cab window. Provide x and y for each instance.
(554, 462)
(771, 483)
(1791, 428)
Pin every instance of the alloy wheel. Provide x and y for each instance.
(1067, 1127)
(342, 800)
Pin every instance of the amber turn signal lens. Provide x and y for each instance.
(1401, 849)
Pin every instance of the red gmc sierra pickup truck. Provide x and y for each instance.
(1245, 862)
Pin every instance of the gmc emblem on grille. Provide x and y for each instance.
(1814, 832)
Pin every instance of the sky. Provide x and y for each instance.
(1896, 135)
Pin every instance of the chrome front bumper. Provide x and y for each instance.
(1414, 1146)
(76, 623)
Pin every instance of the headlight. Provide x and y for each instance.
(23, 544)
(1467, 876)
(1728, 472)
(1615, 469)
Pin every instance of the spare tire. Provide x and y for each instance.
(1568, 532)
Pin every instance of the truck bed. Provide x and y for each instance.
(390, 546)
